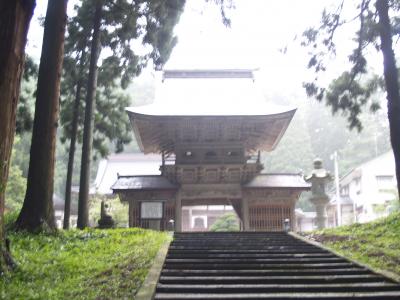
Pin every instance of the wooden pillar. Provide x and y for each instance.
(293, 216)
(178, 212)
(130, 213)
(245, 214)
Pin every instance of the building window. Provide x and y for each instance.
(385, 182)
(151, 210)
(344, 191)
(357, 185)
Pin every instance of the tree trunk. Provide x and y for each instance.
(67, 206)
(391, 81)
(83, 209)
(37, 212)
(15, 17)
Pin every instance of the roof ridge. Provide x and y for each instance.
(284, 173)
(147, 175)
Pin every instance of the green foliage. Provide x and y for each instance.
(314, 132)
(21, 148)
(124, 24)
(16, 184)
(15, 190)
(117, 210)
(352, 91)
(394, 204)
(330, 133)
(26, 104)
(227, 222)
(376, 244)
(9, 219)
(111, 121)
(90, 264)
(225, 5)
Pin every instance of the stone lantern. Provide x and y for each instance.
(318, 178)
(106, 221)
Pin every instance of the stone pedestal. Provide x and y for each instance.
(318, 178)
(320, 204)
(106, 221)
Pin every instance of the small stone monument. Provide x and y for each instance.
(318, 178)
(106, 221)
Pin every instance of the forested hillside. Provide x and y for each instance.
(313, 132)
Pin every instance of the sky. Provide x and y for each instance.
(260, 30)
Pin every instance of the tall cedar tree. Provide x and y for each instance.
(391, 77)
(37, 212)
(150, 22)
(111, 123)
(15, 17)
(83, 212)
(73, 136)
(74, 79)
(353, 90)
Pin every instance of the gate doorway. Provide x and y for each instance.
(204, 217)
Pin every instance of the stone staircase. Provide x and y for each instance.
(263, 265)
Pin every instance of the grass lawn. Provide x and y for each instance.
(89, 264)
(376, 244)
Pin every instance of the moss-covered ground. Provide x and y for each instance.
(376, 244)
(89, 264)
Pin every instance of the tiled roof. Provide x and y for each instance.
(278, 181)
(124, 164)
(209, 93)
(144, 182)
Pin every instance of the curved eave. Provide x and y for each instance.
(140, 121)
(138, 111)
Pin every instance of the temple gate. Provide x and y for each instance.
(210, 158)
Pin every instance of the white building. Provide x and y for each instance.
(305, 220)
(123, 164)
(370, 188)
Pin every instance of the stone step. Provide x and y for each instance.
(174, 255)
(246, 247)
(227, 233)
(277, 288)
(240, 241)
(255, 266)
(231, 260)
(267, 272)
(172, 250)
(281, 296)
(265, 238)
(263, 266)
(269, 279)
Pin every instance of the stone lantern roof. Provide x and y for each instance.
(318, 171)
